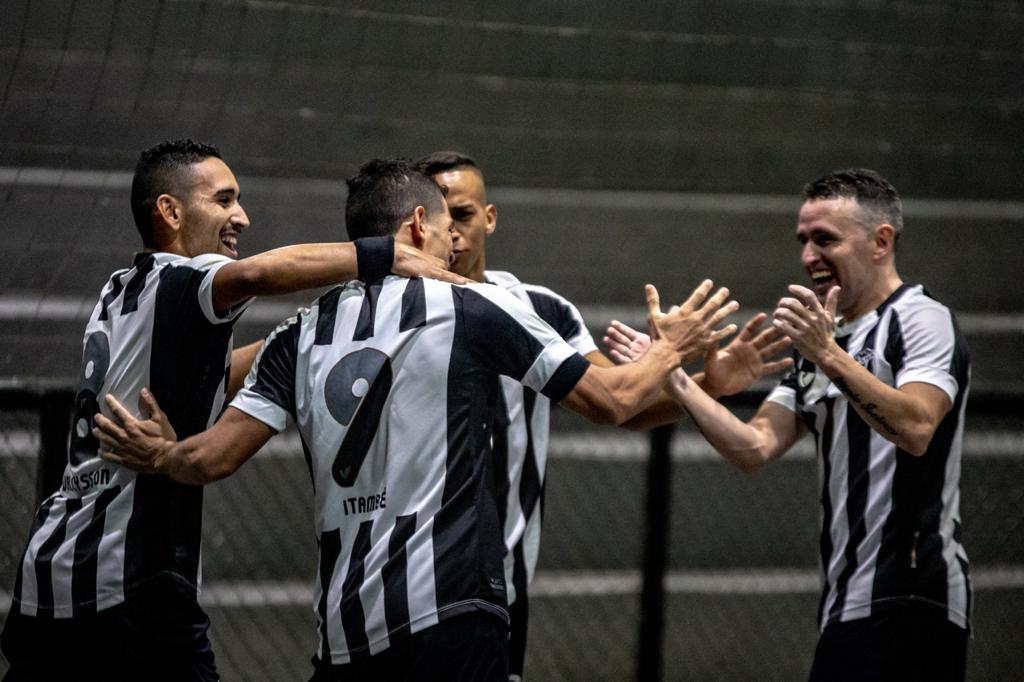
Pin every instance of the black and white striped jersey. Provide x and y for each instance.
(890, 521)
(107, 529)
(393, 388)
(520, 435)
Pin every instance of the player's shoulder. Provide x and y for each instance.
(534, 293)
(917, 303)
(201, 262)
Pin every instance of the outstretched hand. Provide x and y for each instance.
(690, 327)
(625, 344)
(746, 359)
(411, 262)
(137, 444)
(809, 324)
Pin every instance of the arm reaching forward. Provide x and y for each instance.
(612, 395)
(308, 266)
(150, 445)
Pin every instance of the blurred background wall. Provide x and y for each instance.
(623, 143)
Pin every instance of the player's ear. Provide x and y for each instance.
(885, 240)
(415, 229)
(491, 211)
(168, 216)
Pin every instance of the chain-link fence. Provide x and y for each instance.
(741, 584)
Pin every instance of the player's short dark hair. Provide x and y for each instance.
(164, 168)
(439, 162)
(384, 193)
(877, 199)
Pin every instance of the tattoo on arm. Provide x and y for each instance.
(870, 409)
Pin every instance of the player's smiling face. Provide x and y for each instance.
(836, 251)
(213, 217)
(473, 217)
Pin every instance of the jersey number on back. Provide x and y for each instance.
(95, 363)
(356, 390)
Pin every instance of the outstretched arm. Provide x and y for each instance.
(612, 395)
(308, 266)
(150, 445)
(747, 358)
(748, 446)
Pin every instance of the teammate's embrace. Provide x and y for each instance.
(393, 386)
(107, 586)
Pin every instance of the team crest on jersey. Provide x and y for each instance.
(865, 357)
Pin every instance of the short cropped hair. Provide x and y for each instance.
(878, 201)
(164, 168)
(384, 193)
(439, 162)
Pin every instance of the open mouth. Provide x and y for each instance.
(823, 280)
(230, 242)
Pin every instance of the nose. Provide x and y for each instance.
(240, 219)
(808, 254)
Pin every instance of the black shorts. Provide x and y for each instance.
(469, 648)
(904, 644)
(158, 634)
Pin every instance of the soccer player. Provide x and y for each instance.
(522, 417)
(393, 386)
(107, 585)
(883, 389)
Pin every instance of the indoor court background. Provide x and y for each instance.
(623, 143)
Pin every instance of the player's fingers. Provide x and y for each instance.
(750, 328)
(777, 366)
(446, 275)
(790, 317)
(698, 295)
(105, 425)
(653, 301)
(791, 304)
(624, 329)
(148, 405)
(108, 441)
(119, 411)
(619, 358)
(723, 312)
(832, 302)
(724, 332)
(776, 347)
(714, 303)
(806, 296)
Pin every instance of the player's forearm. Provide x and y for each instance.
(630, 388)
(892, 413)
(740, 443)
(193, 461)
(285, 270)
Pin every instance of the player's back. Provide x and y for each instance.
(393, 388)
(108, 530)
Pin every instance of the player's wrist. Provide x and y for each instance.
(375, 257)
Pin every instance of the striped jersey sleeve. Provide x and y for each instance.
(928, 337)
(533, 353)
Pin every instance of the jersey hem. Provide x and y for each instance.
(128, 592)
(913, 601)
(442, 614)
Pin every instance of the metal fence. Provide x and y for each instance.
(739, 590)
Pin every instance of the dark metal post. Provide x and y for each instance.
(652, 598)
(54, 423)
